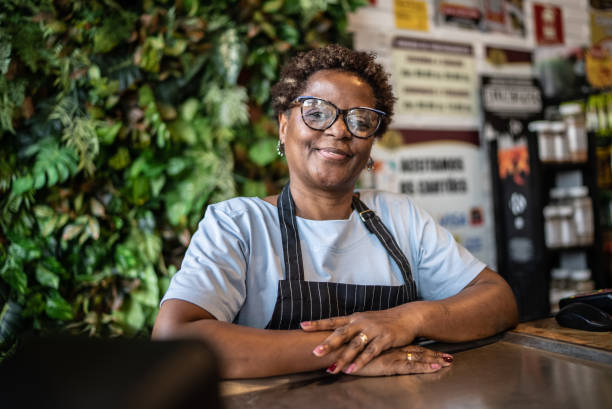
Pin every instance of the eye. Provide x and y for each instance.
(361, 121)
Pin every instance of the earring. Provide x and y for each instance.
(280, 148)
(370, 164)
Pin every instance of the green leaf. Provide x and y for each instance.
(189, 109)
(230, 51)
(253, 188)
(47, 277)
(263, 152)
(57, 307)
(148, 291)
(71, 231)
(272, 6)
(107, 133)
(22, 184)
(15, 277)
(34, 305)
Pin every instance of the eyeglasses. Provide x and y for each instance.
(319, 114)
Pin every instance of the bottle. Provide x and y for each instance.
(552, 226)
(582, 213)
(574, 120)
(581, 281)
(546, 147)
(560, 149)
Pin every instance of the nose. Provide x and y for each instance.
(338, 129)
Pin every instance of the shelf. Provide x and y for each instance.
(583, 247)
(561, 166)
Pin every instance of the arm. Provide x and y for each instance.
(484, 307)
(243, 352)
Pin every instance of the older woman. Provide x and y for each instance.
(320, 276)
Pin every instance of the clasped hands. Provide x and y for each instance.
(374, 343)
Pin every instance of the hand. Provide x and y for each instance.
(407, 360)
(367, 334)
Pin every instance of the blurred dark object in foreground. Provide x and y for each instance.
(88, 373)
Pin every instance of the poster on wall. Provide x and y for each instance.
(435, 82)
(509, 104)
(498, 16)
(441, 172)
(598, 60)
(459, 13)
(411, 15)
(508, 59)
(548, 24)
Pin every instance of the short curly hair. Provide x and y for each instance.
(295, 74)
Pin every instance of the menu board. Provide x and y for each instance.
(441, 171)
(434, 81)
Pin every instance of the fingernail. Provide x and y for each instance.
(319, 350)
(350, 369)
(435, 366)
(306, 324)
(332, 367)
(448, 358)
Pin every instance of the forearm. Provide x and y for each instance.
(246, 352)
(483, 309)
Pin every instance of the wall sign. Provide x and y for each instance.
(441, 172)
(434, 81)
(548, 22)
(411, 15)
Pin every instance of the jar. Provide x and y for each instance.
(552, 226)
(546, 150)
(559, 278)
(574, 120)
(581, 281)
(582, 213)
(560, 149)
(567, 230)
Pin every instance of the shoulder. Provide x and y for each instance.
(386, 202)
(397, 209)
(239, 206)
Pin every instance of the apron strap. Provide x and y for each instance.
(292, 251)
(377, 227)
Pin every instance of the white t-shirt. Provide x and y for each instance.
(234, 261)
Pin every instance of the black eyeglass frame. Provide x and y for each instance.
(339, 111)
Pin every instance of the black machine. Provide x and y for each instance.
(79, 372)
(589, 311)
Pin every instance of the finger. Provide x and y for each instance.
(338, 338)
(371, 351)
(325, 325)
(421, 354)
(351, 350)
(404, 367)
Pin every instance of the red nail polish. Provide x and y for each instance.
(332, 368)
(448, 358)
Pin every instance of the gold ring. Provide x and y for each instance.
(408, 356)
(363, 337)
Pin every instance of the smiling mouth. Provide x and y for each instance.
(334, 154)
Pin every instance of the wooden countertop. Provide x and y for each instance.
(548, 328)
(538, 364)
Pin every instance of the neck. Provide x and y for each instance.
(321, 204)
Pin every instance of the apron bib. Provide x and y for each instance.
(299, 300)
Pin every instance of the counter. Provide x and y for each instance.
(537, 365)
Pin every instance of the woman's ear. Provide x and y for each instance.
(283, 120)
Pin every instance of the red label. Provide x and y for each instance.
(548, 22)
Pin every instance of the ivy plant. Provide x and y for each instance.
(119, 123)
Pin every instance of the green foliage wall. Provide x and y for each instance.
(120, 122)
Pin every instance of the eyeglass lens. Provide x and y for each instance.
(319, 114)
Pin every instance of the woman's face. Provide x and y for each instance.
(331, 159)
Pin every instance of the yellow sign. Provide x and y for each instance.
(411, 15)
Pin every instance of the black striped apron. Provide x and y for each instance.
(299, 300)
